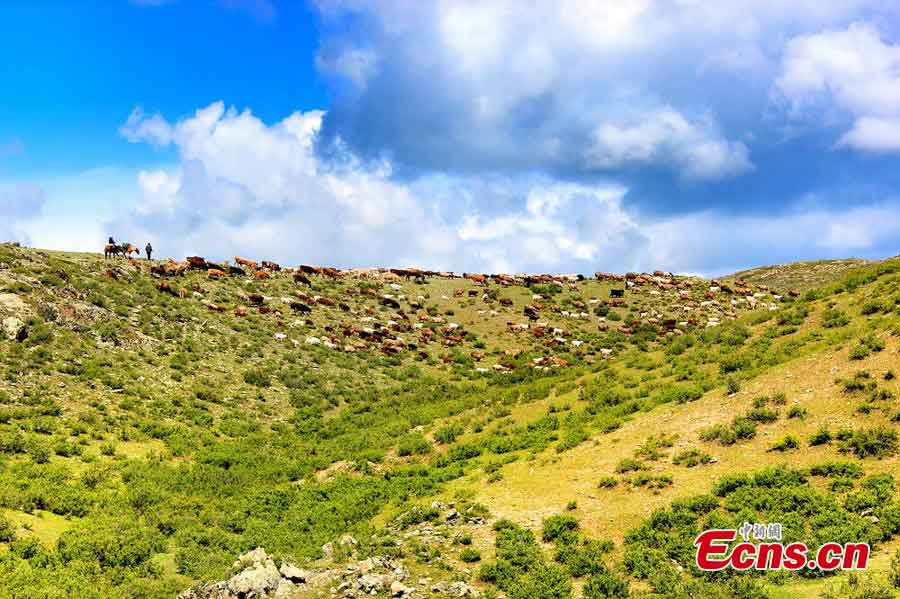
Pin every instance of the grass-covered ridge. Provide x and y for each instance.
(149, 436)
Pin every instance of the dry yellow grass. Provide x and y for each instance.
(533, 490)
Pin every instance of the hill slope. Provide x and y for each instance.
(154, 428)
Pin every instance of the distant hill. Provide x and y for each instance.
(799, 275)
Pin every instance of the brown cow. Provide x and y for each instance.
(164, 287)
(215, 273)
(301, 278)
(260, 275)
(197, 262)
(214, 307)
(270, 266)
(256, 299)
(476, 278)
(244, 262)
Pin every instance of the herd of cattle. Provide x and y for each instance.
(659, 301)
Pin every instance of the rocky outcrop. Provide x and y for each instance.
(14, 312)
(257, 577)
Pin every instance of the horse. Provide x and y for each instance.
(124, 249)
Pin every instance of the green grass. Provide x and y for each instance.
(193, 435)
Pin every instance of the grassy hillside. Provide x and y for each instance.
(152, 433)
(799, 275)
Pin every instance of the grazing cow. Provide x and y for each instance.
(481, 279)
(244, 262)
(301, 278)
(197, 262)
(215, 273)
(260, 275)
(410, 273)
(256, 299)
(214, 307)
(390, 302)
(270, 266)
(164, 287)
(310, 270)
(531, 312)
(213, 265)
(300, 307)
(505, 301)
(332, 273)
(176, 268)
(616, 293)
(236, 271)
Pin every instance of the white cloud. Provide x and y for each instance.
(244, 187)
(665, 135)
(857, 72)
(498, 86)
(19, 203)
(140, 127)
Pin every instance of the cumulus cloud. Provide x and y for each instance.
(19, 202)
(478, 86)
(853, 70)
(666, 136)
(244, 186)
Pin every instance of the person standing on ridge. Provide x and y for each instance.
(149, 250)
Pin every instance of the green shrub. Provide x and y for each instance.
(732, 385)
(821, 436)
(797, 412)
(470, 555)
(413, 444)
(606, 586)
(788, 442)
(448, 433)
(872, 442)
(555, 526)
(630, 465)
(691, 458)
(7, 531)
(832, 318)
(257, 377)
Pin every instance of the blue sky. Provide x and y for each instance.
(561, 136)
